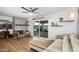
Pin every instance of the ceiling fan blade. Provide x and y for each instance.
(36, 12)
(25, 9)
(25, 12)
(34, 9)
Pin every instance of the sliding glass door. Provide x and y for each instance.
(44, 30)
(36, 28)
(40, 28)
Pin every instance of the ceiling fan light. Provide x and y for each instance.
(30, 14)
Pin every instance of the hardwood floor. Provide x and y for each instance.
(15, 45)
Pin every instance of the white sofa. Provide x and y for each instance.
(66, 45)
(40, 44)
(55, 47)
(69, 43)
(74, 42)
(60, 45)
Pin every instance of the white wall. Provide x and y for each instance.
(67, 27)
(17, 21)
(31, 25)
(6, 18)
(20, 21)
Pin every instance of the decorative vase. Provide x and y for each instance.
(61, 19)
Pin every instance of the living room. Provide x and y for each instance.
(40, 27)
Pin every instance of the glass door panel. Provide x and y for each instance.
(40, 28)
(36, 28)
(44, 29)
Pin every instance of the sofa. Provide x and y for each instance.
(55, 47)
(40, 44)
(75, 43)
(69, 43)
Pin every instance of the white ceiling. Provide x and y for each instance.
(16, 11)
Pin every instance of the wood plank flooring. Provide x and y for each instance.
(15, 45)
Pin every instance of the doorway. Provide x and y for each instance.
(40, 28)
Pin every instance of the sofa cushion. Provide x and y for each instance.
(66, 44)
(74, 42)
(56, 46)
(39, 43)
(61, 36)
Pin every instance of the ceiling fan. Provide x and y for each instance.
(30, 10)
